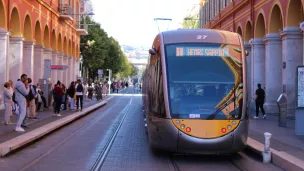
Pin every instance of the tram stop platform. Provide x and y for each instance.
(286, 147)
(46, 123)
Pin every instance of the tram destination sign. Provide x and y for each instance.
(300, 88)
(59, 67)
(201, 51)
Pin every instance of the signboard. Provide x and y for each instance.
(201, 51)
(59, 67)
(100, 72)
(300, 88)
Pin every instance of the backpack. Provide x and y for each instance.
(79, 88)
(30, 96)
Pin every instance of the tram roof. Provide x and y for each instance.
(200, 36)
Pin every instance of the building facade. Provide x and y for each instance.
(271, 33)
(37, 33)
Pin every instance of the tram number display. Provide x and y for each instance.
(200, 51)
(300, 92)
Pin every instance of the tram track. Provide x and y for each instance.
(93, 120)
(103, 155)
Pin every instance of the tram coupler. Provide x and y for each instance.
(267, 152)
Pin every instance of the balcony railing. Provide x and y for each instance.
(66, 12)
(82, 29)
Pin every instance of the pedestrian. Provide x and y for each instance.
(105, 89)
(39, 101)
(259, 101)
(58, 94)
(79, 93)
(71, 92)
(7, 97)
(31, 101)
(21, 91)
(11, 89)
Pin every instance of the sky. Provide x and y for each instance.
(131, 22)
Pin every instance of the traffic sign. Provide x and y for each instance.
(59, 67)
(100, 72)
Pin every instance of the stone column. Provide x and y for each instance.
(15, 58)
(3, 58)
(70, 69)
(292, 46)
(73, 69)
(249, 72)
(77, 68)
(38, 63)
(65, 72)
(3, 61)
(54, 72)
(59, 62)
(28, 59)
(258, 63)
(273, 71)
(47, 54)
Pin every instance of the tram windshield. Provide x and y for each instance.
(204, 81)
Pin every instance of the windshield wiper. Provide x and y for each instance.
(212, 116)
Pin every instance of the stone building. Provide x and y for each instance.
(271, 33)
(35, 31)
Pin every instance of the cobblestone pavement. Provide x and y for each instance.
(7, 131)
(77, 146)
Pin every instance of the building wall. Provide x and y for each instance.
(35, 31)
(270, 30)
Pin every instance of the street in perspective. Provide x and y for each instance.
(185, 85)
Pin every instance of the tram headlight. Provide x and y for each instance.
(182, 126)
(177, 122)
(233, 122)
(228, 127)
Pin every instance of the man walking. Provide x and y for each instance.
(21, 91)
(259, 101)
(79, 94)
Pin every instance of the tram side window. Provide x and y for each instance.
(156, 93)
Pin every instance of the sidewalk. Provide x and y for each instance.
(283, 140)
(7, 131)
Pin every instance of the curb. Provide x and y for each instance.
(24, 139)
(279, 158)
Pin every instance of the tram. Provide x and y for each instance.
(194, 92)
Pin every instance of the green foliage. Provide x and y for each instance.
(192, 21)
(100, 51)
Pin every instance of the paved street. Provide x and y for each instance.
(79, 145)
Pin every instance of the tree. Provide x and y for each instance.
(102, 52)
(192, 21)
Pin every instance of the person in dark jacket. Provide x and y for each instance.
(58, 93)
(259, 101)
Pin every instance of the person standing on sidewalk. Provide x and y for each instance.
(71, 92)
(7, 96)
(21, 91)
(259, 101)
(58, 93)
(31, 100)
(79, 94)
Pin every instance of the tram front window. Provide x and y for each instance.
(204, 81)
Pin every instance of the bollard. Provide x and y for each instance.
(267, 151)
